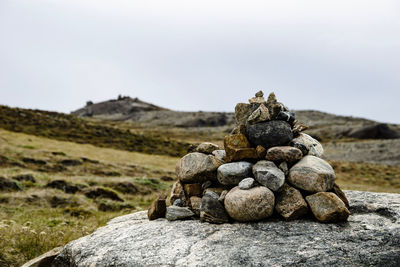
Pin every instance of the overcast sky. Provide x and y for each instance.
(341, 57)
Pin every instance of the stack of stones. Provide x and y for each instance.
(268, 166)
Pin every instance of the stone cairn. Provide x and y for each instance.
(268, 165)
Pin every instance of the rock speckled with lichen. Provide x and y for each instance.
(371, 237)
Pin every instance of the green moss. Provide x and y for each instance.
(154, 184)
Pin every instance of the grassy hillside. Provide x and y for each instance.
(70, 128)
(39, 215)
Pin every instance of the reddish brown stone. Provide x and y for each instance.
(195, 204)
(290, 204)
(336, 189)
(327, 207)
(284, 153)
(193, 190)
(261, 152)
(177, 193)
(237, 147)
(158, 208)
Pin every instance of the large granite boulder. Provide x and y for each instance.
(371, 237)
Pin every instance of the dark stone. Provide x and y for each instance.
(212, 210)
(158, 208)
(25, 177)
(178, 202)
(269, 134)
(67, 187)
(286, 116)
(8, 185)
(192, 190)
(206, 185)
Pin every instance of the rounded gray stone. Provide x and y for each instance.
(232, 173)
(267, 174)
(247, 183)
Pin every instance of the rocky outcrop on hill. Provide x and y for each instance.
(125, 108)
(123, 105)
(370, 237)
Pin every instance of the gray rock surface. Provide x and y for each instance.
(370, 237)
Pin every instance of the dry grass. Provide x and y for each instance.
(367, 176)
(37, 219)
(14, 144)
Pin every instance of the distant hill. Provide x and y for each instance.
(132, 109)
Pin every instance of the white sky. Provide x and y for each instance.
(336, 56)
